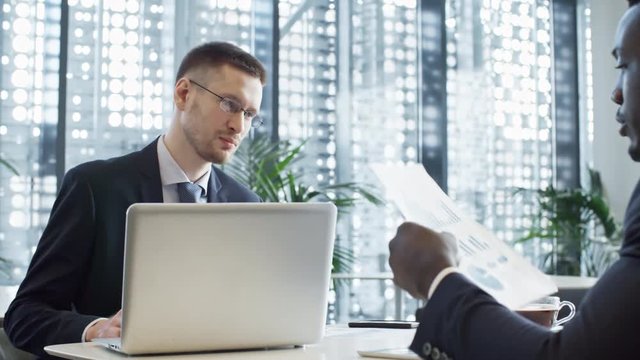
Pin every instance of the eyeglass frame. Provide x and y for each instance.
(255, 120)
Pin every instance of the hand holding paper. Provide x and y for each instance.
(417, 255)
(490, 263)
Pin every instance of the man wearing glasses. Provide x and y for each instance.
(73, 286)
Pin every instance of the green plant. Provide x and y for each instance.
(266, 168)
(578, 226)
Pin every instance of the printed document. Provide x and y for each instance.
(484, 259)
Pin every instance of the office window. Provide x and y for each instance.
(383, 129)
(121, 62)
(467, 87)
(512, 107)
(500, 105)
(29, 45)
(123, 56)
(586, 83)
(348, 86)
(119, 77)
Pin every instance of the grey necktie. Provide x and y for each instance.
(189, 192)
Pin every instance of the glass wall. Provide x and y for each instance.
(119, 77)
(123, 56)
(29, 82)
(348, 87)
(499, 59)
(119, 74)
(465, 87)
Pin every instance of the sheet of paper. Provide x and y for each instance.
(486, 260)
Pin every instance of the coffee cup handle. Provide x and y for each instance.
(572, 312)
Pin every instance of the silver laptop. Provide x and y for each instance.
(204, 277)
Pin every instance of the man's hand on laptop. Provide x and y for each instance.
(105, 328)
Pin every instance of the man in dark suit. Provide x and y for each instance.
(460, 321)
(73, 286)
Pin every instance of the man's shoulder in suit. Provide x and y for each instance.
(97, 171)
(236, 191)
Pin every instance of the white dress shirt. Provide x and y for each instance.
(171, 174)
(438, 279)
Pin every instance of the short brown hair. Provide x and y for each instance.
(218, 53)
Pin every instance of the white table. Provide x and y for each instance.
(339, 343)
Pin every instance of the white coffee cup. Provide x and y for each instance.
(545, 311)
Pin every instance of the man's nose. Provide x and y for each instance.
(236, 122)
(616, 96)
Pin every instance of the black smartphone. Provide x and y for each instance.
(391, 324)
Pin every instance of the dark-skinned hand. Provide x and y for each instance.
(417, 254)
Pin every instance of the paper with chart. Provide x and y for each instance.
(489, 262)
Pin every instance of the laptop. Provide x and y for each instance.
(208, 277)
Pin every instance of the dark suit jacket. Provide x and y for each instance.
(466, 323)
(75, 275)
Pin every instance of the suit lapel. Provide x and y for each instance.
(150, 182)
(146, 162)
(214, 191)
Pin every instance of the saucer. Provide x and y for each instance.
(556, 328)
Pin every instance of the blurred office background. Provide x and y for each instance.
(488, 95)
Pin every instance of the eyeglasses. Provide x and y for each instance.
(233, 107)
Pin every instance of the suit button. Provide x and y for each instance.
(444, 356)
(426, 349)
(435, 354)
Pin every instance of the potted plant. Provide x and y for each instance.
(578, 226)
(266, 168)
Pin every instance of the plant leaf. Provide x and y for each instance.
(574, 219)
(266, 168)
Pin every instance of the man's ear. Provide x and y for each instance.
(180, 93)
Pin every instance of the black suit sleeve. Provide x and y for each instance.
(464, 322)
(43, 311)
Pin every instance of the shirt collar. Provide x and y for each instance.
(171, 173)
